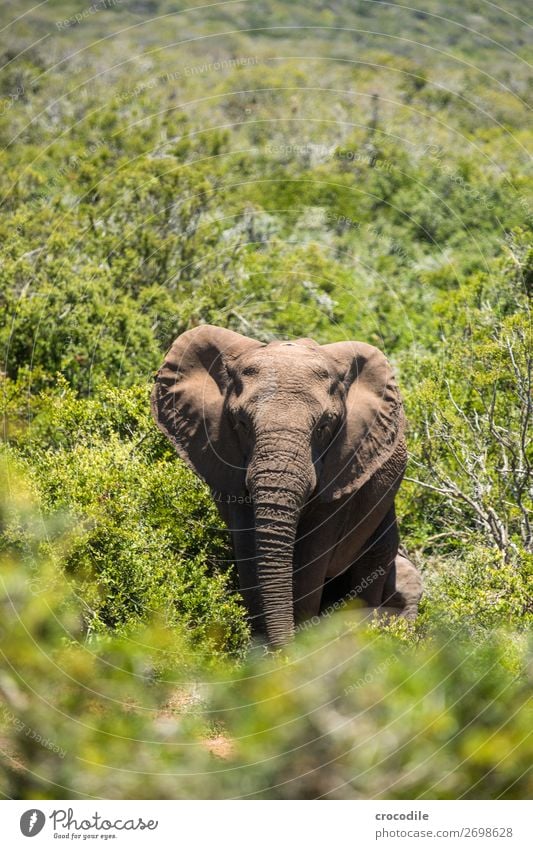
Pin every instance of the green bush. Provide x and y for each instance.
(346, 713)
(146, 537)
(478, 591)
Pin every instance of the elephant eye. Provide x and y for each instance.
(249, 371)
(325, 426)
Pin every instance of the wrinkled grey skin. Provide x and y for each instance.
(303, 448)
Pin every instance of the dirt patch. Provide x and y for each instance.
(220, 746)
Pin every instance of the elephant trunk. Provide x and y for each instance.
(280, 480)
(275, 536)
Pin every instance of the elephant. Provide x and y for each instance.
(303, 448)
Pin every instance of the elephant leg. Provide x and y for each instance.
(364, 577)
(239, 518)
(371, 568)
(311, 557)
(308, 585)
(403, 589)
(336, 591)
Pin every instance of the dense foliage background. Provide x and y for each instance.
(341, 170)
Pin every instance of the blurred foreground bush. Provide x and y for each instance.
(347, 712)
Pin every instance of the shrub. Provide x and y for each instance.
(343, 714)
(146, 537)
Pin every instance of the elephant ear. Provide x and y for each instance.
(374, 423)
(188, 404)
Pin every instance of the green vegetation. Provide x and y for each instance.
(333, 170)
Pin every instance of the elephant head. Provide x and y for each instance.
(283, 422)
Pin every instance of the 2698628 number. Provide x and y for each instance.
(487, 832)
